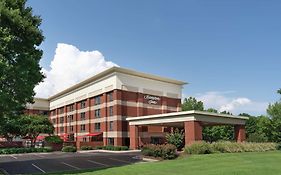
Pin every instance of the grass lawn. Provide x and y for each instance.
(265, 163)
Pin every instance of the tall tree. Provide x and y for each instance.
(274, 111)
(33, 125)
(192, 104)
(20, 37)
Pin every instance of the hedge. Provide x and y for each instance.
(23, 150)
(229, 147)
(113, 148)
(86, 148)
(167, 151)
(69, 149)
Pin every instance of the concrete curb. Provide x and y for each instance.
(108, 151)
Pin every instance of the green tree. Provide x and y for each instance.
(10, 127)
(215, 133)
(20, 37)
(192, 104)
(274, 111)
(212, 110)
(33, 125)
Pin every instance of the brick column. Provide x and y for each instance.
(75, 117)
(57, 120)
(239, 131)
(134, 137)
(104, 115)
(88, 104)
(192, 131)
(65, 119)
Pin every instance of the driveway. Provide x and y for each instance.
(58, 161)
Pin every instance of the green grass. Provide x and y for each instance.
(263, 163)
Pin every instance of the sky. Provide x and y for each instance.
(228, 51)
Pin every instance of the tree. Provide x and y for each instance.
(192, 104)
(274, 111)
(10, 127)
(20, 37)
(212, 110)
(33, 125)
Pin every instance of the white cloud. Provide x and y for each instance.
(235, 103)
(70, 66)
(225, 101)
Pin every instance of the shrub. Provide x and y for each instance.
(53, 139)
(69, 149)
(167, 151)
(257, 137)
(23, 150)
(113, 148)
(176, 138)
(278, 146)
(229, 147)
(199, 148)
(86, 148)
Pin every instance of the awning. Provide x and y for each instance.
(94, 134)
(40, 137)
(91, 134)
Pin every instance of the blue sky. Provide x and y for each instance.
(227, 50)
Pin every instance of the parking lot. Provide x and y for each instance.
(58, 161)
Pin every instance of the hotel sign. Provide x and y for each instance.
(154, 100)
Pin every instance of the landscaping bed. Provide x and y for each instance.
(24, 150)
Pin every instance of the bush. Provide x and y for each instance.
(69, 149)
(23, 150)
(176, 138)
(167, 151)
(199, 148)
(229, 147)
(278, 146)
(113, 148)
(257, 137)
(53, 139)
(86, 148)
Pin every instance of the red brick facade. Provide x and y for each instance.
(106, 114)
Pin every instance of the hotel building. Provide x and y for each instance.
(123, 107)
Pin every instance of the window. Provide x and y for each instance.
(54, 112)
(84, 139)
(110, 141)
(97, 126)
(97, 139)
(110, 96)
(97, 113)
(70, 118)
(111, 126)
(82, 128)
(61, 129)
(61, 119)
(82, 116)
(110, 110)
(61, 111)
(70, 128)
(83, 104)
(54, 121)
(71, 108)
(97, 100)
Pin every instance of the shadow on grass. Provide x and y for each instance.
(79, 171)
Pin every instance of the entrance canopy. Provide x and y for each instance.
(191, 121)
(206, 118)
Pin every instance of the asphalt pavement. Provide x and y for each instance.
(40, 163)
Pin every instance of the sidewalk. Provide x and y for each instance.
(107, 151)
